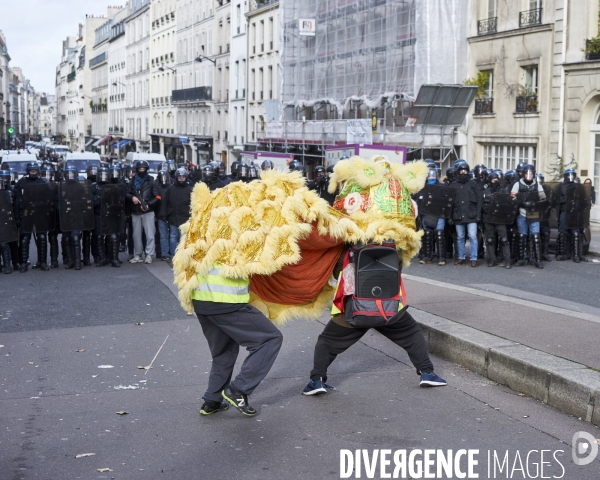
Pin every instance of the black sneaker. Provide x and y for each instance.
(208, 408)
(315, 387)
(239, 401)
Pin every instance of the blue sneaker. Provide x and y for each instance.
(432, 380)
(315, 388)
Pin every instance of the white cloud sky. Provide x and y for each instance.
(34, 31)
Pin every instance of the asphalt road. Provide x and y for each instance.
(574, 282)
(69, 356)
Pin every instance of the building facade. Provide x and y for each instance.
(238, 74)
(137, 75)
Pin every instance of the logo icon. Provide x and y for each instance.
(585, 448)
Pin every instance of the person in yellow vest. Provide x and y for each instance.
(228, 321)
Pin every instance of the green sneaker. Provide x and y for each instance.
(239, 401)
(208, 408)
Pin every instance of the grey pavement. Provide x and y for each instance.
(57, 402)
(595, 243)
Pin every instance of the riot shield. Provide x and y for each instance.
(8, 226)
(533, 213)
(503, 209)
(554, 188)
(38, 205)
(578, 205)
(112, 204)
(437, 201)
(75, 206)
(546, 205)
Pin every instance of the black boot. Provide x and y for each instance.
(25, 239)
(64, 246)
(580, 248)
(14, 253)
(102, 260)
(427, 243)
(440, 238)
(521, 239)
(6, 259)
(53, 240)
(561, 247)
(42, 244)
(87, 245)
(545, 235)
(490, 252)
(535, 250)
(503, 241)
(76, 252)
(69, 254)
(114, 251)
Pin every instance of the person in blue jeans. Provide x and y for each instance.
(177, 207)
(529, 192)
(466, 212)
(163, 182)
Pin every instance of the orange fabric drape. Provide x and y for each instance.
(303, 282)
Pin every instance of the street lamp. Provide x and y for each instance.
(162, 69)
(202, 57)
(115, 83)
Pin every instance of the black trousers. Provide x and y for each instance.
(336, 339)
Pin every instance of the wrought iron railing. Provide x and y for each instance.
(591, 55)
(527, 104)
(530, 17)
(489, 25)
(484, 106)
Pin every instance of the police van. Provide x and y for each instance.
(17, 159)
(82, 160)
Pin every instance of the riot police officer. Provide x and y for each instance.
(573, 202)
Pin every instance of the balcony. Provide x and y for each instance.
(192, 95)
(527, 104)
(590, 55)
(484, 106)
(71, 76)
(530, 18)
(487, 26)
(261, 3)
(98, 59)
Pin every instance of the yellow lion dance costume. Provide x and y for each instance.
(287, 239)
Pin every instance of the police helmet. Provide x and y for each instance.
(115, 172)
(528, 173)
(430, 163)
(478, 169)
(220, 169)
(570, 175)
(520, 167)
(253, 172)
(461, 165)
(48, 173)
(267, 165)
(451, 174)
(91, 172)
(103, 175)
(171, 168)
(485, 173)
(320, 172)
(208, 173)
(499, 173)
(33, 167)
(5, 177)
(163, 177)
(493, 176)
(243, 171)
(539, 177)
(14, 175)
(509, 176)
(141, 164)
(432, 176)
(71, 173)
(181, 172)
(330, 169)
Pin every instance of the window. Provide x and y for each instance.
(535, 4)
(506, 157)
(596, 179)
(491, 8)
(530, 79)
(489, 85)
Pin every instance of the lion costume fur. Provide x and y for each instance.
(287, 240)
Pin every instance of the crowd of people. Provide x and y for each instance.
(505, 215)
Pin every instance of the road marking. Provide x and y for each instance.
(504, 298)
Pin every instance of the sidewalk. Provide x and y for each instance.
(544, 351)
(595, 243)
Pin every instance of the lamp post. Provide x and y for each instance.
(199, 58)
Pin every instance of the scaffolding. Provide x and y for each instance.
(364, 59)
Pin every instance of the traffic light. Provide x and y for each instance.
(11, 130)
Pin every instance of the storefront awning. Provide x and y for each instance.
(102, 141)
(89, 142)
(121, 143)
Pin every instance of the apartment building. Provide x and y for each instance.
(64, 87)
(162, 78)
(117, 56)
(193, 92)
(46, 111)
(136, 75)
(238, 74)
(263, 66)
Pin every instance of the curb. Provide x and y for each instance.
(570, 387)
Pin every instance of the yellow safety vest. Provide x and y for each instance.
(216, 288)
